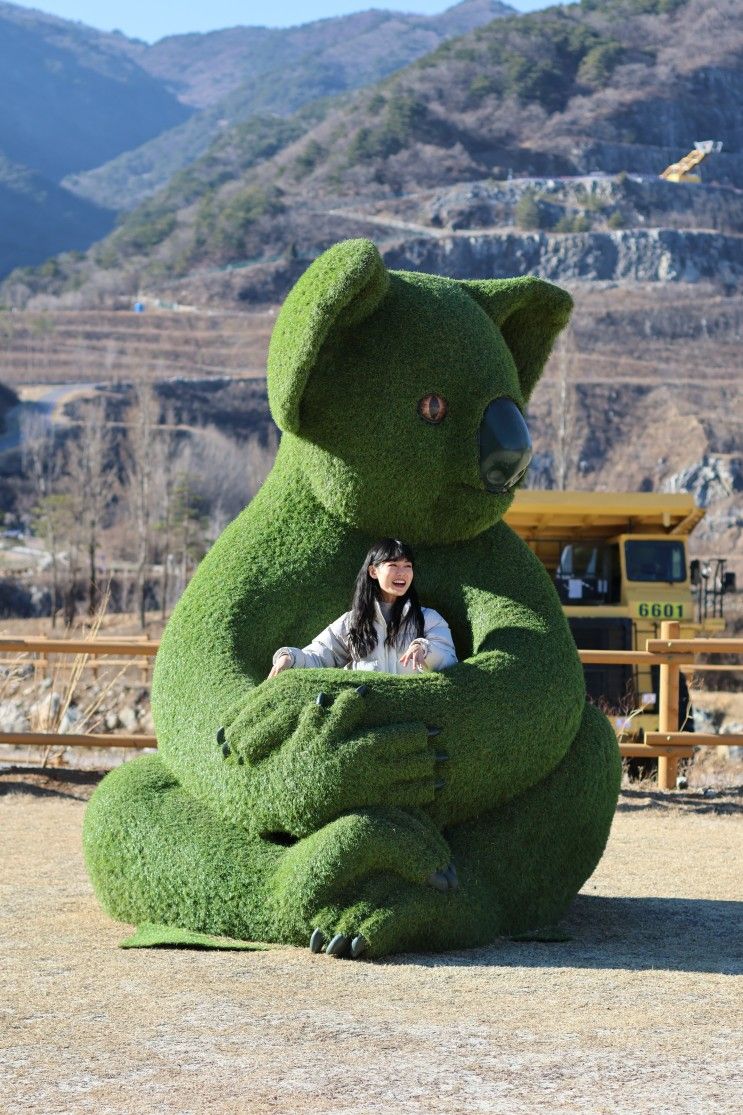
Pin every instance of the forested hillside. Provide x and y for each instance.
(240, 73)
(96, 122)
(72, 97)
(604, 85)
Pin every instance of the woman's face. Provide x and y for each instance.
(395, 578)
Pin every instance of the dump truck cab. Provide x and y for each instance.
(621, 567)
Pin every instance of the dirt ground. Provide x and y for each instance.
(638, 1012)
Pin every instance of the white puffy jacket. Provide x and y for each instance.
(331, 646)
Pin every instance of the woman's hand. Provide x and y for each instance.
(415, 656)
(282, 663)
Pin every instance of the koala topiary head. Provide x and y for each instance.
(400, 394)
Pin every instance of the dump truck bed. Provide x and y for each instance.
(536, 514)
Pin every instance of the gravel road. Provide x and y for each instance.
(638, 1012)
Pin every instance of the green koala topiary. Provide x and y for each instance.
(266, 815)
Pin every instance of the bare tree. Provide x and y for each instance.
(139, 475)
(71, 537)
(189, 527)
(90, 478)
(42, 463)
(170, 456)
(221, 475)
(564, 412)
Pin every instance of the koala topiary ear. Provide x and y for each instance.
(342, 287)
(529, 312)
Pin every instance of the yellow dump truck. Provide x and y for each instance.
(620, 564)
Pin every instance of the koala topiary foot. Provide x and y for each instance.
(156, 854)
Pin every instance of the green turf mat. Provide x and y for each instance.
(149, 935)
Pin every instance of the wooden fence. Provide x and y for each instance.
(671, 653)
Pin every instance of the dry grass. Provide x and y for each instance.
(638, 1013)
(81, 684)
(104, 346)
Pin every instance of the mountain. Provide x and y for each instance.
(613, 85)
(240, 72)
(74, 99)
(77, 99)
(70, 223)
(204, 68)
(99, 121)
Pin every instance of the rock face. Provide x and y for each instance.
(13, 717)
(636, 255)
(634, 200)
(711, 479)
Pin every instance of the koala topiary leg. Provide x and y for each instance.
(518, 867)
(320, 883)
(537, 850)
(156, 854)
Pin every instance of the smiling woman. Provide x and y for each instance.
(386, 628)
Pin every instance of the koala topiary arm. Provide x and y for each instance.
(244, 744)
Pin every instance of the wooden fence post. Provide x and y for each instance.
(668, 708)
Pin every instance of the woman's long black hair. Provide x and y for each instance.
(361, 633)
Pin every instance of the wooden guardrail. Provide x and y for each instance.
(671, 653)
(42, 648)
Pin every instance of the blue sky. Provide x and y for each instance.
(143, 19)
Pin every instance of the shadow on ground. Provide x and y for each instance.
(723, 801)
(629, 934)
(40, 782)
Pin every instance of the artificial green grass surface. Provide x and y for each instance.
(152, 936)
(264, 815)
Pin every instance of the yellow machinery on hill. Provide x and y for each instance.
(620, 565)
(682, 170)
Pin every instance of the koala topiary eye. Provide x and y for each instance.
(433, 409)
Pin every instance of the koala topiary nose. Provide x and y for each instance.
(505, 446)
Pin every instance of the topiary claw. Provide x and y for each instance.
(451, 874)
(340, 945)
(438, 880)
(221, 736)
(358, 945)
(362, 690)
(442, 757)
(439, 784)
(323, 700)
(226, 751)
(432, 730)
(317, 940)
